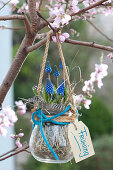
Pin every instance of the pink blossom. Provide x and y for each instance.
(17, 138)
(110, 56)
(24, 8)
(101, 69)
(74, 4)
(86, 103)
(62, 37)
(21, 107)
(13, 4)
(80, 99)
(3, 130)
(65, 34)
(20, 135)
(12, 136)
(18, 143)
(86, 3)
(10, 114)
(88, 86)
(61, 20)
(99, 83)
(7, 119)
(77, 99)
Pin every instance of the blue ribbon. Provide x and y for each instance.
(43, 118)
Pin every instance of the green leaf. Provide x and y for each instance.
(45, 95)
(35, 91)
(66, 93)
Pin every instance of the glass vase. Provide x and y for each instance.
(57, 137)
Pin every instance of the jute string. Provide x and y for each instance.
(65, 72)
(43, 64)
(64, 65)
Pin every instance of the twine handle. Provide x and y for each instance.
(64, 65)
(43, 63)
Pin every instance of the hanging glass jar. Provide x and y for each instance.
(49, 139)
(57, 137)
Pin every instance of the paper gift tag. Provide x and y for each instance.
(80, 140)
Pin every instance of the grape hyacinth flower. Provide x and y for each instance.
(61, 88)
(48, 69)
(56, 74)
(49, 87)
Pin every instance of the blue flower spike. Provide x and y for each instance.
(49, 87)
(61, 88)
(56, 72)
(61, 66)
(48, 67)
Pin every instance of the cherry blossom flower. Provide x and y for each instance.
(110, 56)
(86, 103)
(18, 143)
(80, 99)
(10, 114)
(99, 74)
(88, 86)
(13, 4)
(17, 138)
(62, 37)
(74, 4)
(21, 107)
(7, 119)
(3, 130)
(24, 8)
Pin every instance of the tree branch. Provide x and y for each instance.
(12, 17)
(89, 7)
(97, 29)
(4, 4)
(35, 20)
(22, 52)
(12, 150)
(15, 153)
(12, 28)
(40, 4)
(37, 45)
(89, 44)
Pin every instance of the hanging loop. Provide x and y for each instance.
(44, 62)
(64, 66)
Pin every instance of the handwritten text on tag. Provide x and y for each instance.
(80, 141)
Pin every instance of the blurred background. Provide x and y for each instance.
(99, 118)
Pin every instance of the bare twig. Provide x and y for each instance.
(40, 4)
(97, 29)
(89, 7)
(45, 21)
(89, 44)
(12, 150)
(12, 17)
(12, 28)
(4, 4)
(15, 153)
